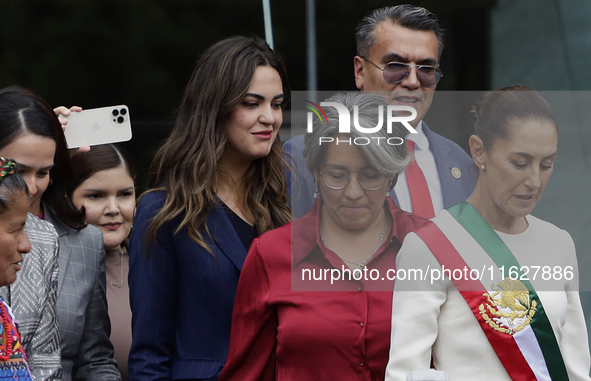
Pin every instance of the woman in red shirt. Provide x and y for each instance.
(342, 248)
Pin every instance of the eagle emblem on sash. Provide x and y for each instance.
(509, 309)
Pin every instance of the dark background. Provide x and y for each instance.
(141, 53)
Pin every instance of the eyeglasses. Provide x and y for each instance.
(338, 179)
(396, 72)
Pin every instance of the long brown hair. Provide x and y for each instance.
(186, 165)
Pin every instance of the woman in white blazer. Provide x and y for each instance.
(507, 305)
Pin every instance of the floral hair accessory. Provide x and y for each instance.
(7, 167)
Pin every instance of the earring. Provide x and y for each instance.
(482, 167)
(393, 183)
(316, 190)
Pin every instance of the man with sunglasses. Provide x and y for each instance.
(398, 51)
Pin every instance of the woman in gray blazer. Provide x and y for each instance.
(34, 138)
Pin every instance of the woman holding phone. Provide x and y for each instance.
(33, 136)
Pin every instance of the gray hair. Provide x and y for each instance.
(405, 15)
(383, 157)
(11, 186)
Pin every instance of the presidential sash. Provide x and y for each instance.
(511, 314)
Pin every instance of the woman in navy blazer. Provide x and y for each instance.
(216, 183)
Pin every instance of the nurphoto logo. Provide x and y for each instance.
(345, 123)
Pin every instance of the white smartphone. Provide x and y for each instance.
(98, 126)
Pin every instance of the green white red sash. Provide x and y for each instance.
(520, 333)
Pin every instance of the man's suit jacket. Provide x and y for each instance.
(447, 155)
(87, 352)
(33, 299)
(181, 295)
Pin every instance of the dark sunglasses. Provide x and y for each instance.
(396, 72)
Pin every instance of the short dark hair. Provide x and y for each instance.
(22, 111)
(405, 15)
(99, 158)
(494, 110)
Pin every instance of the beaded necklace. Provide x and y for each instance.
(6, 347)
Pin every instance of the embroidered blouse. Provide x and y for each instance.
(13, 360)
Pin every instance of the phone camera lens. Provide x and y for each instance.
(123, 111)
(120, 119)
(115, 112)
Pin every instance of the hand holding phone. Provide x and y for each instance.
(98, 126)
